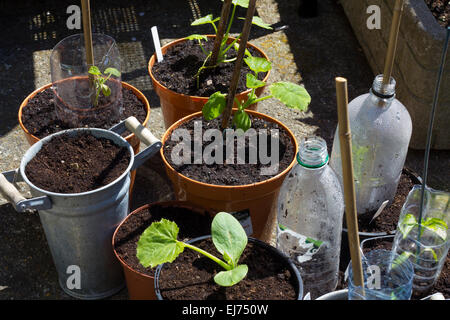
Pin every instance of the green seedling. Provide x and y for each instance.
(291, 94)
(158, 244)
(224, 47)
(436, 225)
(101, 79)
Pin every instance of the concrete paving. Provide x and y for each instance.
(310, 51)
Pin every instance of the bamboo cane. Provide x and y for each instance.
(392, 45)
(220, 31)
(238, 64)
(87, 31)
(348, 181)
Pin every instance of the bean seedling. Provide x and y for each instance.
(101, 79)
(290, 94)
(158, 244)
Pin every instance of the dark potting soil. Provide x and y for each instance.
(190, 276)
(40, 118)
(442, 284)
(190, 223)
(77, 164)
(232, 173)
(440, 10)
(181, 63)
(388, 219)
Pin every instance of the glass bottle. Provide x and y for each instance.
(310, 212)
(381, 129)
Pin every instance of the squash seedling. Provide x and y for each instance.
(100, 81)
(213, 59)
(158, 244)
(291, 94)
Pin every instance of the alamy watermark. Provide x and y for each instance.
(374, 20)
(252, 146)
(74, 279)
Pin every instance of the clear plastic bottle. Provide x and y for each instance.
(381, 129)
(310, 212)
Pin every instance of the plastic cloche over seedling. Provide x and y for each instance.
(224, 46)
(158, 244)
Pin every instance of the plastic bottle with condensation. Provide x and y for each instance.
(310, 213)
(381, 128)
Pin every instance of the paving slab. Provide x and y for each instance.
(308, 51)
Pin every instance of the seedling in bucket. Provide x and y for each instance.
(158, 244)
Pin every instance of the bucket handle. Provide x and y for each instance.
(20, 203)
(145, 135)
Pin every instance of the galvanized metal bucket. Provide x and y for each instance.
(79, 226)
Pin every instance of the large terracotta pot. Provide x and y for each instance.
(175, 105)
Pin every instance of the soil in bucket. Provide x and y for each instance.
(191, 225)
(234, 173)
(74, 164)
(190, 276)
(181, 63)
(40, 118)
(440, 10)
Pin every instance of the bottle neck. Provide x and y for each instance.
(313, 153)
(382, 94)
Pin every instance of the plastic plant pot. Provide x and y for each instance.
(386, 277)
(175, 105)
(298, 283)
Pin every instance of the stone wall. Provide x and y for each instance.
(419, 50)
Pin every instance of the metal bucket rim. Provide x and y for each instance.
(38, 145)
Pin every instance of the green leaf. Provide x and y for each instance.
(291, 94)
(214, 106)
(438, 226)
(197, 37)
(241, 120)
(253, 82)
(236, 47)
(407, 224)
(241, 3)
(257, 64)
(203, 20)
(231, 277)
(112, 71)
(228, 236)
(257, 21)
(158, 244)
(94, 70)
(106, 90)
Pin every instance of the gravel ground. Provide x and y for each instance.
(309, 51)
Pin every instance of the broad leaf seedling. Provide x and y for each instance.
(158, 244)
(101, 79)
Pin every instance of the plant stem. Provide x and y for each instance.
(219, 32)
(231, 19)
(207, 254)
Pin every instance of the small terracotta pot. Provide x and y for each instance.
(131, 139)
(259, 200)
(141, 286)
(175, 105)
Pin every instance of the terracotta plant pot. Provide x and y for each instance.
(297, 282)
(175, 105)
(258, 200)
(131, 139)
(141, 286)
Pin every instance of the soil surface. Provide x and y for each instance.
(388, 219)
(40, 117)
(77, 164)
(231, 173)
(190, 276)
(440, 10)
(191, 224)
(181, 63)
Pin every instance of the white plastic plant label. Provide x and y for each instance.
(244, 218)
(300, 246)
